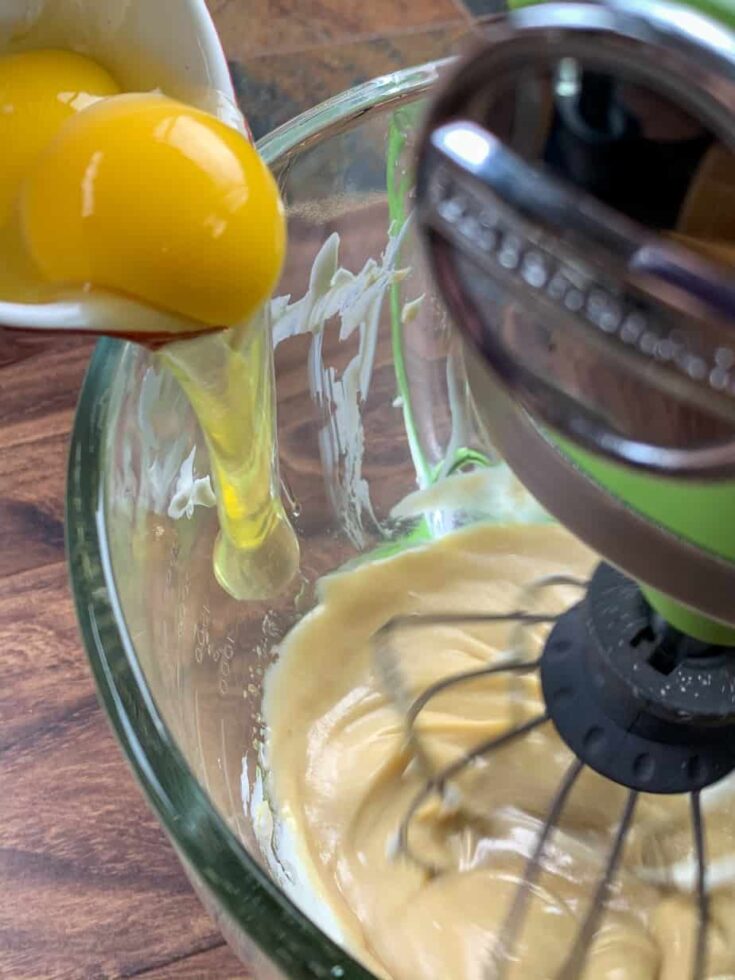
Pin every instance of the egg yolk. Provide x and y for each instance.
(149, 197)
(39, 91)
(145, 196)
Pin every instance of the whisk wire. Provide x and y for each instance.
(700, 948)
(531, 593)
(387, 662)
(574, 963)
(517, 660)
(438, 782)
(513, 666)
(515, 918)
(490, 745)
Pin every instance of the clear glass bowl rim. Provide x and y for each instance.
(237, 884)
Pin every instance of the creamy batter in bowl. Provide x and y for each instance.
(342, 778)
(380, 451)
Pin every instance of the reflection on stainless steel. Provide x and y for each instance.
(560, 189)
(576, 192)
(673, 346)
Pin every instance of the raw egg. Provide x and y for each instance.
(142, 196)
(158, 200)
(39, 91)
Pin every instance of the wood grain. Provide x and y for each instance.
(39, 394)
(214, 962)
(32, 502)
(91, 888)
(40, 655)
(78, 850)
(272, 89)
(280, 26)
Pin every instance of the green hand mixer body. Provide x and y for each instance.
(702, 513)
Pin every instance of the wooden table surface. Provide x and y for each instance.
(90, 886)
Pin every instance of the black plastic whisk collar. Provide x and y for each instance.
(635, 699)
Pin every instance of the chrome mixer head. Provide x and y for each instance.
(556, 172)
(575, 180)
(576, 191)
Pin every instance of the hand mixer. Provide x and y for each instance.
(576, 193)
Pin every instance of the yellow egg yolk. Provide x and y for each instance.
(142, 195)
(152, 198)
(39, 91)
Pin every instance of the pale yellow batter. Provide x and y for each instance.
(342, 778)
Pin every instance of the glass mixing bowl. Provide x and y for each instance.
(371, 408)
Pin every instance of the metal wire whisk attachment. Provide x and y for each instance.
(515, 662)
